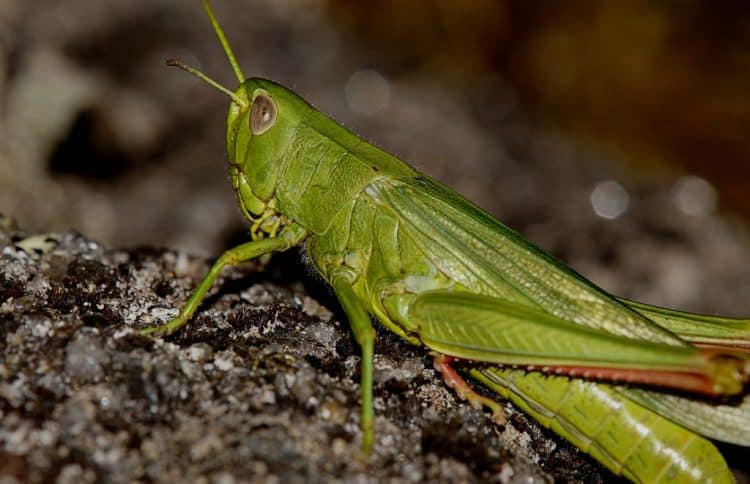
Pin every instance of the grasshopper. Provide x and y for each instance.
(633, 385)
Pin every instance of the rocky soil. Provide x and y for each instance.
(262, 386)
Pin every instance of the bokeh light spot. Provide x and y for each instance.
(367, 92)
(694, 196)
(609, 199)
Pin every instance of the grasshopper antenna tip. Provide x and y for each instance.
(192, 70)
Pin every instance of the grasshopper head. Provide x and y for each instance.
(260, 128)
(260, 131)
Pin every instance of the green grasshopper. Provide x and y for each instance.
(440, 272)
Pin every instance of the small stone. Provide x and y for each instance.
(85, 357)
(200, 352)
(224, 362)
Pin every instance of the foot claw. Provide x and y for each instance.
(163, 329)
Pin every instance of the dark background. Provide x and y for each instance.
(95, 127)
(526, 110)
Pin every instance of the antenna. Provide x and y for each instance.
(192, 70)
(224, 42)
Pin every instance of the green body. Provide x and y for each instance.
(432, 267)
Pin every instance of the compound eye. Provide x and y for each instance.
(262, 114)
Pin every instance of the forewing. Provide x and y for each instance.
(725, 422)
(699, 329)
(476, 250)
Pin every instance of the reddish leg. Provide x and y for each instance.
(442, 364)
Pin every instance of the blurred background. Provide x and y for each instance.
(613, 134)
